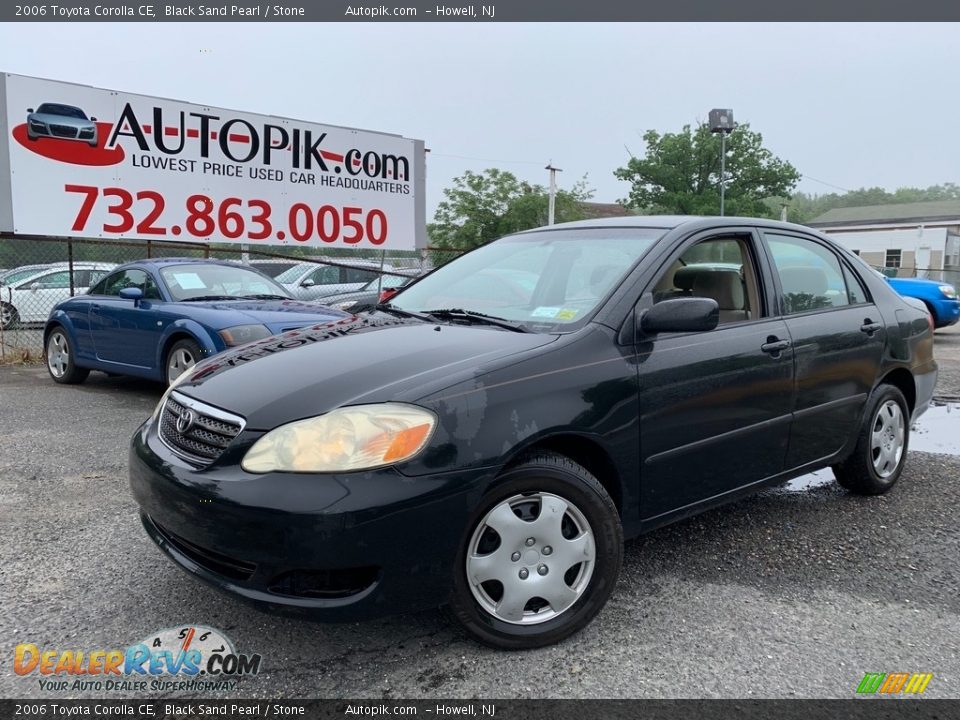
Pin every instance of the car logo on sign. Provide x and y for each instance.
(184, 421)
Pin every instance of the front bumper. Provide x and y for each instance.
(336, 547)
(947, 312)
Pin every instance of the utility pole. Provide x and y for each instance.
(553, 192)
(783, 212)
(721, 121)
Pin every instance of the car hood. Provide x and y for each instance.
(62, 120)
(277, 315)
(364, 358)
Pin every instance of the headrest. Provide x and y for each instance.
(724, 286)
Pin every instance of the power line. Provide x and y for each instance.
(824, 182)
(509, 162)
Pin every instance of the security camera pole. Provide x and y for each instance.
(721, 121)
(553, 191)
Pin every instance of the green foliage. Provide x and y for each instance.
(680, 174)
(480, 207)
(803, 207)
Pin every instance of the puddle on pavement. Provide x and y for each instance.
(937, 431)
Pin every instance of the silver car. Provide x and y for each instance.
(64, 122)
(312, 280)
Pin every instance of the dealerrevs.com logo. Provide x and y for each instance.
(196, 135)
(190, 658)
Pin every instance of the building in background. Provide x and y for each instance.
(906, 239)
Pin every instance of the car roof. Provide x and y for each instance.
(669, 222)
(164, 262)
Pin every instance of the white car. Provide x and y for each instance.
(312, 280)
(29, 296)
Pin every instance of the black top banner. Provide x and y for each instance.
(493, 11)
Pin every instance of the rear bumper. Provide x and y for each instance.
(925, 381)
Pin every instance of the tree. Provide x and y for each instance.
(680, 174)
(803, 207)
(482, 207)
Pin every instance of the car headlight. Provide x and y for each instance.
(350, 438)
(949, 291)
(240, 334)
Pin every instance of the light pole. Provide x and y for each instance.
(553, 192)
(721, 121)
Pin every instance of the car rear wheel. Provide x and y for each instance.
(540, 557)
(60, 362)
(182, 357)
(881, 451)
(8, 316)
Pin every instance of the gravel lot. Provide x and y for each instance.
(786, 594)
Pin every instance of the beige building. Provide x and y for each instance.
(912, 239)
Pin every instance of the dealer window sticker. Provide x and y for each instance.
(545, 312)
(567, 314)
(189, 281)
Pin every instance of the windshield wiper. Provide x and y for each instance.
(475, 317)
(264, 296)
(206, 298)
(389, 308)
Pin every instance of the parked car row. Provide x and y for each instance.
(28, 294)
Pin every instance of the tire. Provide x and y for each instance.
(529, 556)
(59, 356)
(881, 451)
(8, 316)
(182, 356)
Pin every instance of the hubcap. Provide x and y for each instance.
(557, 555)
(180, 361)
(887, 439)
(6, 315)
(58, 354)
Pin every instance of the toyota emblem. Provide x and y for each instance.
(184, 421)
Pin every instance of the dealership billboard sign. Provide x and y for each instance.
(79, 161)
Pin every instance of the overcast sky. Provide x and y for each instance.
(849, 105)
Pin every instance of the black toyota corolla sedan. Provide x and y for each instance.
(489, 438)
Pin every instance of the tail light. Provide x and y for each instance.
(387, 294)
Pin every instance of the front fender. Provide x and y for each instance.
(208, 340)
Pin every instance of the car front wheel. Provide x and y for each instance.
(182, 357)
(878, 459)
(60, 361)
(541, 555)
(8, 316)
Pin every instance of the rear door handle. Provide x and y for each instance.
(870, 327)
(774, 346)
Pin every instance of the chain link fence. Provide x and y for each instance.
(38, 273)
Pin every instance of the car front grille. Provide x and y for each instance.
(195, 431)
(64, 131)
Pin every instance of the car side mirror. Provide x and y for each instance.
(92, 119)
(690, 314)
(132, 293)
(29, 110)
(34, 287)
(308, 283)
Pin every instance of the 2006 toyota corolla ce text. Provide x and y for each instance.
(490, 437)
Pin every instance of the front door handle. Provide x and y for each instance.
(870, 327)
(774, 346)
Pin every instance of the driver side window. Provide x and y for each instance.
(720, 268)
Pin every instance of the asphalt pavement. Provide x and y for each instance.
(790, 593)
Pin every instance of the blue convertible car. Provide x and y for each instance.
(157, 318)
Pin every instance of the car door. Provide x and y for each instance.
(121, 331)
(325, 280)
(714, 406)
(838, 338)
(40, 295)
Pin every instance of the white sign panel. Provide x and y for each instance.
(86, 162)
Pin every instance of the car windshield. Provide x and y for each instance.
(196, 281)
(15, 276)
(62, 110)
(545, 281)
(292, 274)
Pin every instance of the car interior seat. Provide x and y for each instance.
(726, 287)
